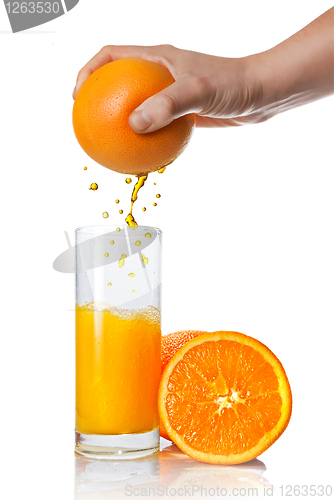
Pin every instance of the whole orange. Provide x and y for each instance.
(102, 109)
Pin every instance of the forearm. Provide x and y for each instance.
(298, 70)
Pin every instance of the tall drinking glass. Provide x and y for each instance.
(118, 341)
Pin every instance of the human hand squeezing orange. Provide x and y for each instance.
(232, 91)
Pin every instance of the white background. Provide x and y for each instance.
(247, 215)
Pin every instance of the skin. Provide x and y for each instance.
(226, 92)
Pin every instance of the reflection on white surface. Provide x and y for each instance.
(169, 473)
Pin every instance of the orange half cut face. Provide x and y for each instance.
(224, 398)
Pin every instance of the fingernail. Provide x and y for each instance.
(140, 120)
(74, 91)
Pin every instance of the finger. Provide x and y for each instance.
(112, 53)
(100, 59)
(180, 98)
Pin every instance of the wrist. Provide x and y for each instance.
(270, 89)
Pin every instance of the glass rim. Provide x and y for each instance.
(112, 227)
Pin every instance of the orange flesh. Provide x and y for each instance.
(172, 342)
(117, 370)
(222, 398)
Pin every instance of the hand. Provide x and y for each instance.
(217, 89)
(229, 91)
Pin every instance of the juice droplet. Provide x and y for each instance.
(132, 290)
(155, 183)
(106, 254)
(131, 221)
(118, 229)
(85, 168)
(138, 243)
(132, 275)
(121, 260)
(105, 215)
(128, 180)
(112, 242)
(93, 186)
(109, 284)
(120, 211)
(144, 209)
(144, 259)
(154, 204)
(158, 196)
(161, 170)
(148, 235)
(140, 182)
(116, 201)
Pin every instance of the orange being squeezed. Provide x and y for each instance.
(117, 369)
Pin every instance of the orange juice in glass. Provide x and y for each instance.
(118, 341)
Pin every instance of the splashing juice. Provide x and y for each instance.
(130, 220)
(117, 370)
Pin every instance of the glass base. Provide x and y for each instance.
(117, 447)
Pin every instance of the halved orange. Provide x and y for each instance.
(170, 344)
(224, 398)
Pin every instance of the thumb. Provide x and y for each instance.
(162, 108)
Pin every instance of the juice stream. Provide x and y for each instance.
(141, 181)
(130, 220)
